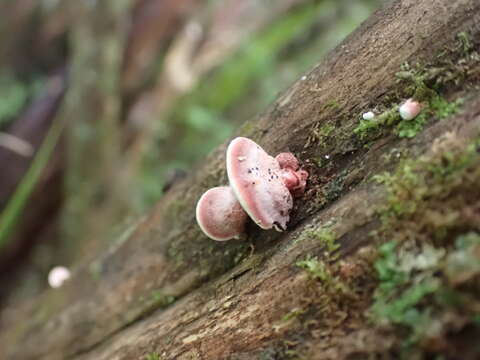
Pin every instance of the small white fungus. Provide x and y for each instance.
(304, 77)
(327, 157)
(57, 276)
(368, 115)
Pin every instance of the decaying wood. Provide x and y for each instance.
(230, 302)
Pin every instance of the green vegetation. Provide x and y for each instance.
(316, 269)
(436, 107)
(322, 234)
(13, 96)
(428, 269)
(367, 127)
(153, 356)
(415, 182)
(13, 210)
(422, 287)
(160, 299)
(292, 314)
(424, 83)
(326, 236)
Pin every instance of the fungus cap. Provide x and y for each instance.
(220, 215)
(256, 179)
(57, 276)
(409, 109)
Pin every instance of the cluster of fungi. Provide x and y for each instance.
(261, 187)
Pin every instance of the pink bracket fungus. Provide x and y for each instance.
(220, 215)
(262, 184)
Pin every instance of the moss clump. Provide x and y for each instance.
(153, 356)
(429, 270)
(160, 299)
(367, 128)
(325, 235)
(316, 269)
(435, 107)
(319, 134)
(417, 184)
(427, 291)
(292, 314)
(425, 83)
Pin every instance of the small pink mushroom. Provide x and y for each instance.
(409, 109)
(220, 215)
(262, 184)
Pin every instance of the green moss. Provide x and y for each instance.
(326, 236)
(367, 128)
(415, 182)
(434, 107)
(424, 83)
(410, 128)
(465, 42)
(316, 269)
(428, 268)
(335, 187)
(292, 314)
(324, 131)
(159, 299)
(420, 283)
(332, 104)
(153, 356)
(323, 234)
(442, 108)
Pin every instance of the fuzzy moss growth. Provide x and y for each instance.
(153, 356)
(324, 235)
(292, 314)
(416, 183)
(160, 299)
(316, 269)
(425, 289)
(429, 269)
(425, 83)
(368, 127)
(435, 107)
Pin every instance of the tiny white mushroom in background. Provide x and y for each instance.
(409, 109)
(327, 157)
(304, 77)
(368, 115)
(57, 276)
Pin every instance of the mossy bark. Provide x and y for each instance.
(164, 288)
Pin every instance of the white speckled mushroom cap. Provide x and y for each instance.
(255, 178)
(220, 215)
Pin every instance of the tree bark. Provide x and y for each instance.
(164, 288)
